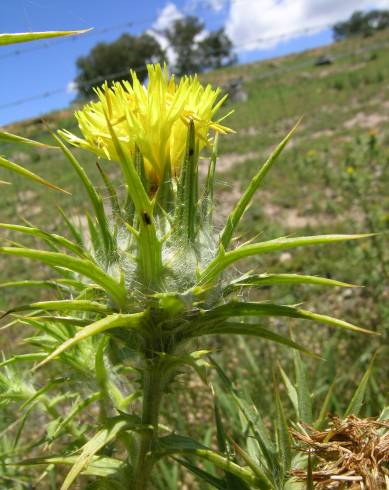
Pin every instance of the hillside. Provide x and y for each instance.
(327, 180)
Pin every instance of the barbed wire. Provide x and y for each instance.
(101, 30)
(264, 75)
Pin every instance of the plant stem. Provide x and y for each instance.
(152, 393)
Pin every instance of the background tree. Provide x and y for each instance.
(197, 50)
(182, 35)
(107, 59)
(216, 50)
(361, 24)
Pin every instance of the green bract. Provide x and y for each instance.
(153, 277)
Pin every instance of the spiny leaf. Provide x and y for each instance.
(238, 211)
(62, 305)
(256, 330)
(61, 283)
(107, 323)
(82, 266)
(175, 444)
(53, 238)
(13, 138)
(94, 197)
(97, 442)
(14, 167)
(236, 309)
(223, 260)
(272, 279)
(35, 36)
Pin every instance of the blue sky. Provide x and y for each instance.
(253, 26)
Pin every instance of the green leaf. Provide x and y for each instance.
(175, 444)
(109, 433)
(36, 356)
(51, 238)
(224, 259)
(240, 208)
(54, 284)
(13, 138)
(257, 426)
(14, 167)
(72, 229)
(107, 323)
(82, 266)
(239, 309)
(78, 407)
(62, 305)
(94, 197)
(203, 475)
(35, 36)
(254, 330)
(273, 279)
(98, 465)
(116, 209)
(356, 402)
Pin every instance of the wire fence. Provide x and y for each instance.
(261, 76)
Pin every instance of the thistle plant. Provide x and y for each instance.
(139, 298)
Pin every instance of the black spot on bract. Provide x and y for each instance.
(146, 218)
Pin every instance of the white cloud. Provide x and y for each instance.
(262, 24)
(215, 5)
(165, 18)
(71, 87)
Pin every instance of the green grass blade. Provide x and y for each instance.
(107, 323)
(225, 259)
(290, 390)
(35, 36)
(324, 409)
(82, 266)
(303, 392)
(356, 402)
(14, 167)
(283, 436)
(240, 208)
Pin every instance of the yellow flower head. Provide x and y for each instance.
(154, 119)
